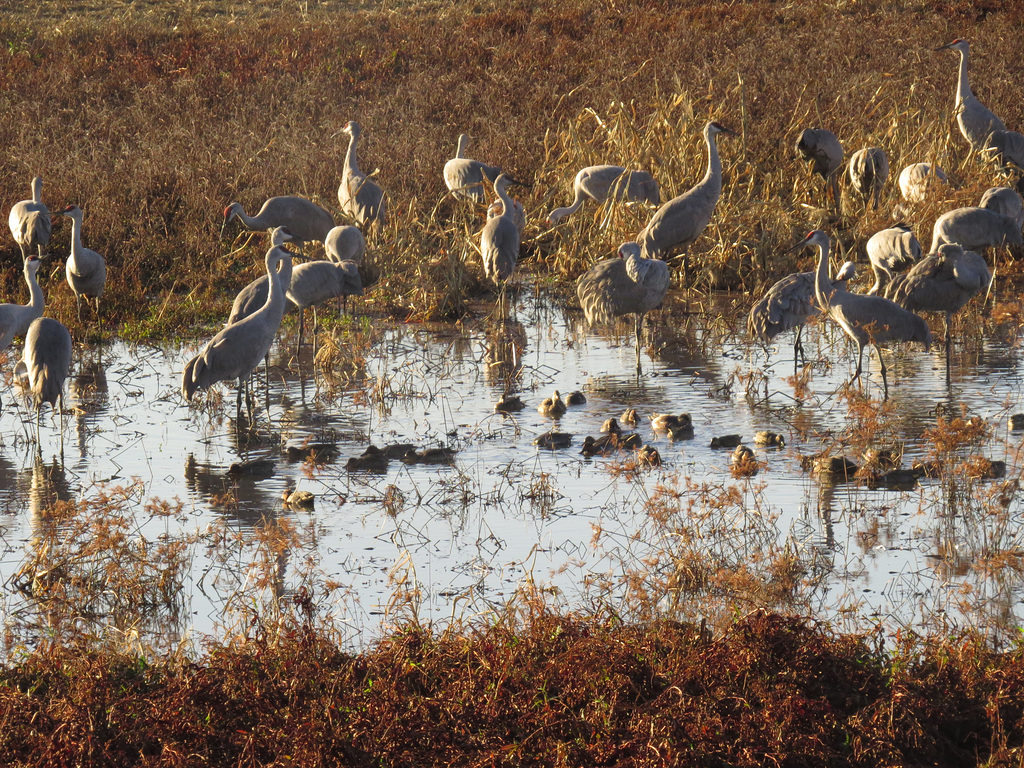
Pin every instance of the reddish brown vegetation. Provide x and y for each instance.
(769, 691)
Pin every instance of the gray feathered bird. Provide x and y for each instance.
(627, 284)
(465, 177)
(45, 362)
(788, 304)
(976, 121)
(315, 282)
(917, 179)
(16, 318)
(869, 169)
(890, 251)
(238, 348)
(499, 239)
(29, 221)
(975, 229)
(944, 281)
(306, 220)
(85, 270)
(681, 220)
(865, 319)
(360, 197)
(602, 182)
(822, 149)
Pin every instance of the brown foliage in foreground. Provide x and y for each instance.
(153, 121)
(769, 691)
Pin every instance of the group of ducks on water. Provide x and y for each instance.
(635, 281)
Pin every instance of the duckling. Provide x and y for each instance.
(297, 499)
(629, 417)
(769, 438)
(677, 427)
(373, 459)
(552, 406)
(576, 398)
(743, 461)
(834, 469)
(600, 446)
(509, 404)
(430, 456)
(611, 426)
(726, 441)
(648, 456)
(553, 441)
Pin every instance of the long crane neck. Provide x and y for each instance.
(350, 156)
(963, 86)
(823, 288)
(76, 240)
(560, 213)
(274, 305)
(712, 180)
(36, 293)
(506, 201)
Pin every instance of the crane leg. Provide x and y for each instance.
(316, 328)
(885, 380)
(798, 347)
(639, 332)
(302, 328)
(948, 345)
(860, 363)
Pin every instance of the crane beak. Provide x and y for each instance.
(943, 47)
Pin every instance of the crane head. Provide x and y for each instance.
(71, 211)
(958, 45)
(714, 128)
(351, 128)
(814, 237)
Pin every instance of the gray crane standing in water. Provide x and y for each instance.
(976, 121)
(788, 304)
(359, 196)
(315, 282)
(45, 362)
(465, 177)
(865, 319)
(306, 220)
(822, 149)
(85, 270)
(681, 220)
(29, 221)
(975, 228)
(254, 295)
(890, 251)
(238, 348)
(944, 281)
(869, 169)
(499, 239)
(602, 182)
(16, 318)
(627, 284)
(917, 179)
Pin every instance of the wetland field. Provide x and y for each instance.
(182, 585)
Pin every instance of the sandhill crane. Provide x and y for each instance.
(361, 199)
(975, 228)
(464, 177)
(45, 362)
(976, 121)
(1004, 200)
(29, 221)
(317, 281)
(499, 240)
(497, 208)
(681, 220)
(865, 319)
(254, 295)
(869, 168)
(238, 348)
(822, 149)
(891, 250)
(345, 243)
(627, 284)
(16, 318)
(917, 179)
(1007, 149)
(601, 182)
(86, 271)
(788, 304)
(306, 220)
(944, 281)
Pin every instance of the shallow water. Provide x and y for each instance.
(461, 539)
